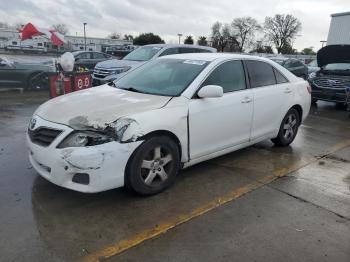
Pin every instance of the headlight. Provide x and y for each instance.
(81, 139)
(122, 69)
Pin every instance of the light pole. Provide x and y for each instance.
(179, 35)
(323, 42)
(84, 35)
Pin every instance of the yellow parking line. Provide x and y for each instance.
(147, 234)
(164, 227)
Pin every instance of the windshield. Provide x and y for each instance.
(144, 53)
(337, 66)
(167, 77)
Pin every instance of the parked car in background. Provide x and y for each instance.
(119, 51)
(23, 74)
(89, 59)
(173, 112)
(295, 66)
(312, 67)
(109, 70)
(332, 82)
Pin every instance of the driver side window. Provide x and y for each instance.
(229, 75)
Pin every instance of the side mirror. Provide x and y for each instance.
(77, 59)
(210, 91)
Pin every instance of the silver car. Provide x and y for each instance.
(110, 70)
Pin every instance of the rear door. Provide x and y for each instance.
(272, 97)
(219, 123)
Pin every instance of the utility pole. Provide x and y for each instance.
(179, 35)
(323, 42)
(84, 35)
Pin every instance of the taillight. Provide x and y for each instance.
(309, 89)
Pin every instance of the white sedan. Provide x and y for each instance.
(169, 114)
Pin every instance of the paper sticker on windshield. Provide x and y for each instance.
(194, 62)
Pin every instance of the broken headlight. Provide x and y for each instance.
(81, 139)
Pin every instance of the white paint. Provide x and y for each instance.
(205, 127)
(339, 33)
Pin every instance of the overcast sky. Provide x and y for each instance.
(169, 17)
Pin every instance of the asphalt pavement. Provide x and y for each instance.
(262, 203)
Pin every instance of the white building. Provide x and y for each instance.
(339, 31)
(94, 43)
(10, 39)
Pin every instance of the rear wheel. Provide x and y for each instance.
(288, 129)
(154, 166)
(36, 81)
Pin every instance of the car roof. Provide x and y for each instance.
(182, 45)
(209, 57)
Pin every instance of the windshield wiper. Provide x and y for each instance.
(112, 84)
(132, 89)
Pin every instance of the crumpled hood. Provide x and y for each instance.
(97, 106)
(114, 63)
(333, 54)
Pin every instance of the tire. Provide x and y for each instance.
(153, 166)
(36, 81)
(288, 128)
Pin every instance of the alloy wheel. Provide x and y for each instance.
(290, 127)
(155, 167)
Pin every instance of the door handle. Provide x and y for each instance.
(288, 90)
(246, 100)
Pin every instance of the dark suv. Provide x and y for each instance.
(332, 82)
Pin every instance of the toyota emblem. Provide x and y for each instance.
(32, 123)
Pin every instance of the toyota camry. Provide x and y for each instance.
(169, 114)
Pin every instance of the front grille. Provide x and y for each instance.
(43, 136)
(331, 82)
(102, 72)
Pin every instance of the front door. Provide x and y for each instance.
(219, 123)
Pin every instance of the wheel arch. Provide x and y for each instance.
(166, 133)
(299, 109)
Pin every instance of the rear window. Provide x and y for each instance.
(260, 74)
(279, 77)
(185, 50)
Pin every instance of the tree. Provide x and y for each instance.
(114, 35)
(288, 49)
(282, 30)
(222, 37)
(128, 37)
(202, 40)
(61, 28)
(263, 49)
(308, 51)
(189, 40)
(148, 38)
(244, 29)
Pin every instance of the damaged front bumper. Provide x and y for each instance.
(85, 169)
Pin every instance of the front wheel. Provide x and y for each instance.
(154, 166)
(288, 129)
